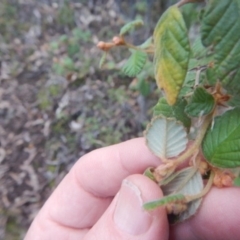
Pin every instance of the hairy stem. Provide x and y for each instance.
(204, 191)
(195, 147)
(148, 50)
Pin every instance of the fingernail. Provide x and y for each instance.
(129, 215)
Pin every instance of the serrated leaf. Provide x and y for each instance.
(237, 182)
(200, 104)
(198, 49)
(176, 181)
(187, 182)
(172, 52)
(135, 63)
(175, 111)
(130, 26)
(221, 29)
(147, 43)
(221, 145)
(143, 87)
(163, 201)
(190, 13)
(195, 74)
(211, 76)
(166, 138)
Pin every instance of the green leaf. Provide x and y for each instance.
(143, 87)
(221, 29)
(190, 13)
(195, 74)
(221, 145)
(166, 138)
(198, 49)
(211, 76)
(135, 63)
(201, 103)
(187, 182)
(172, 52)
(175, 111)
(130, 26)
(163, 201)
(237, 182)
(147, 43)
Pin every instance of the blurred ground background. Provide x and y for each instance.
(55, 102)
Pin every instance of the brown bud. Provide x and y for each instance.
(217, 181)
(176, 208)
(223, 178)
(163, 171)
(203, 167)
(118, 40)
(227, 181)
(105, 46)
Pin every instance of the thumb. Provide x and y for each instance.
(126, 219)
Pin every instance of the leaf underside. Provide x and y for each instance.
(172, 52)
(165, 137)
(187, 182)
(220, 29)
(221, 145)
(135, 63)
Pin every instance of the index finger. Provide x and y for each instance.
(85, 193)
(102, 171)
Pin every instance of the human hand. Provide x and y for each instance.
(102, 197)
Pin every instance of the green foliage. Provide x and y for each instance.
(237, 182)
(221, 146)
(164, 201)
(147, 43)
(172, 52)
(221, 29)
(198, 50)
(165, 137)
(130, 26)
(143, 87)
(176, 111)
(190, 14)
(200, 104)
(200, 81)
(135, 63)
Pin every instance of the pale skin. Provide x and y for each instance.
(102, 197)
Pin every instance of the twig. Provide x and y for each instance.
(204, 191)
(198, 141)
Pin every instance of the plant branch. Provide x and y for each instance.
(129, 45)
(197, 142)
(204, 191)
